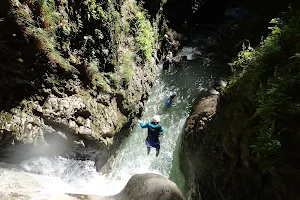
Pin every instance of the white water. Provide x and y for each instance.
(43, 177)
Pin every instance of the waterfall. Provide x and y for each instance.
(42, 177)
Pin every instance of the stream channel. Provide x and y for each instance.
(43, 177)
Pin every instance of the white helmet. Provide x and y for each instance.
(156, 118)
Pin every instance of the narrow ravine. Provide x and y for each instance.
(42, 177)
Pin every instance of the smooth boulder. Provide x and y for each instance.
(147, 186)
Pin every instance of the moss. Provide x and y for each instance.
(5, 116)
(98, 80)
(72, 32)
(121, 120)
(22, 14)
(93, 11)
(145, 36)
(45, 37)
(84, 94)
(73, 59)
(116, 79)
(268, 72)
(137, 20)
(128, 65)
(48, 14)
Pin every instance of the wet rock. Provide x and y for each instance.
(217, 159)
(141, 187)
(79, 144)
(196, 130)
(26, 128)
(149, 187)
(108, 166)
(166, 64)
(214, 91)
(101, 159)
(72, 124)
(67, 106)
(223, 83)
(83, 113)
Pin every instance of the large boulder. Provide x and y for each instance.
(147, 186)
(216, 157)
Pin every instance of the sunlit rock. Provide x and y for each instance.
(214, 91)
(223, 83)
(140, 187)
(149, 187)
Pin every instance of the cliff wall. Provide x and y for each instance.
(73, 74)
(243, 144)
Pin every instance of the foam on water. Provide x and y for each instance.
(43, 177)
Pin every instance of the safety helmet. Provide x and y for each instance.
(173, 94)
(156, 118)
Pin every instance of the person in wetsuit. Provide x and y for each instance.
(167, 43)
(154, 131)
(167, 61)
(171, 98)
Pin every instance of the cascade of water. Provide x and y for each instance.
(43, 176)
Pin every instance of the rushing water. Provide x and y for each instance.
(42, 177)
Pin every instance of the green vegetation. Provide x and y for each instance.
(98, 80)
(272, 69)
(136, 39)
(44, 37)
(115, 79)
(99, 44)
(93, 11)
(164, 1)
(128, 66)
(128, 31)
(48, 14)
(145, 35)
(102, 20)
(4, 117)
(96, 77)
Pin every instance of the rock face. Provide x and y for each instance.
(71, 81)
(216, 155)
(248, 149)
(216, 158)
(74, 118)
(195, 131)
(182, 14)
